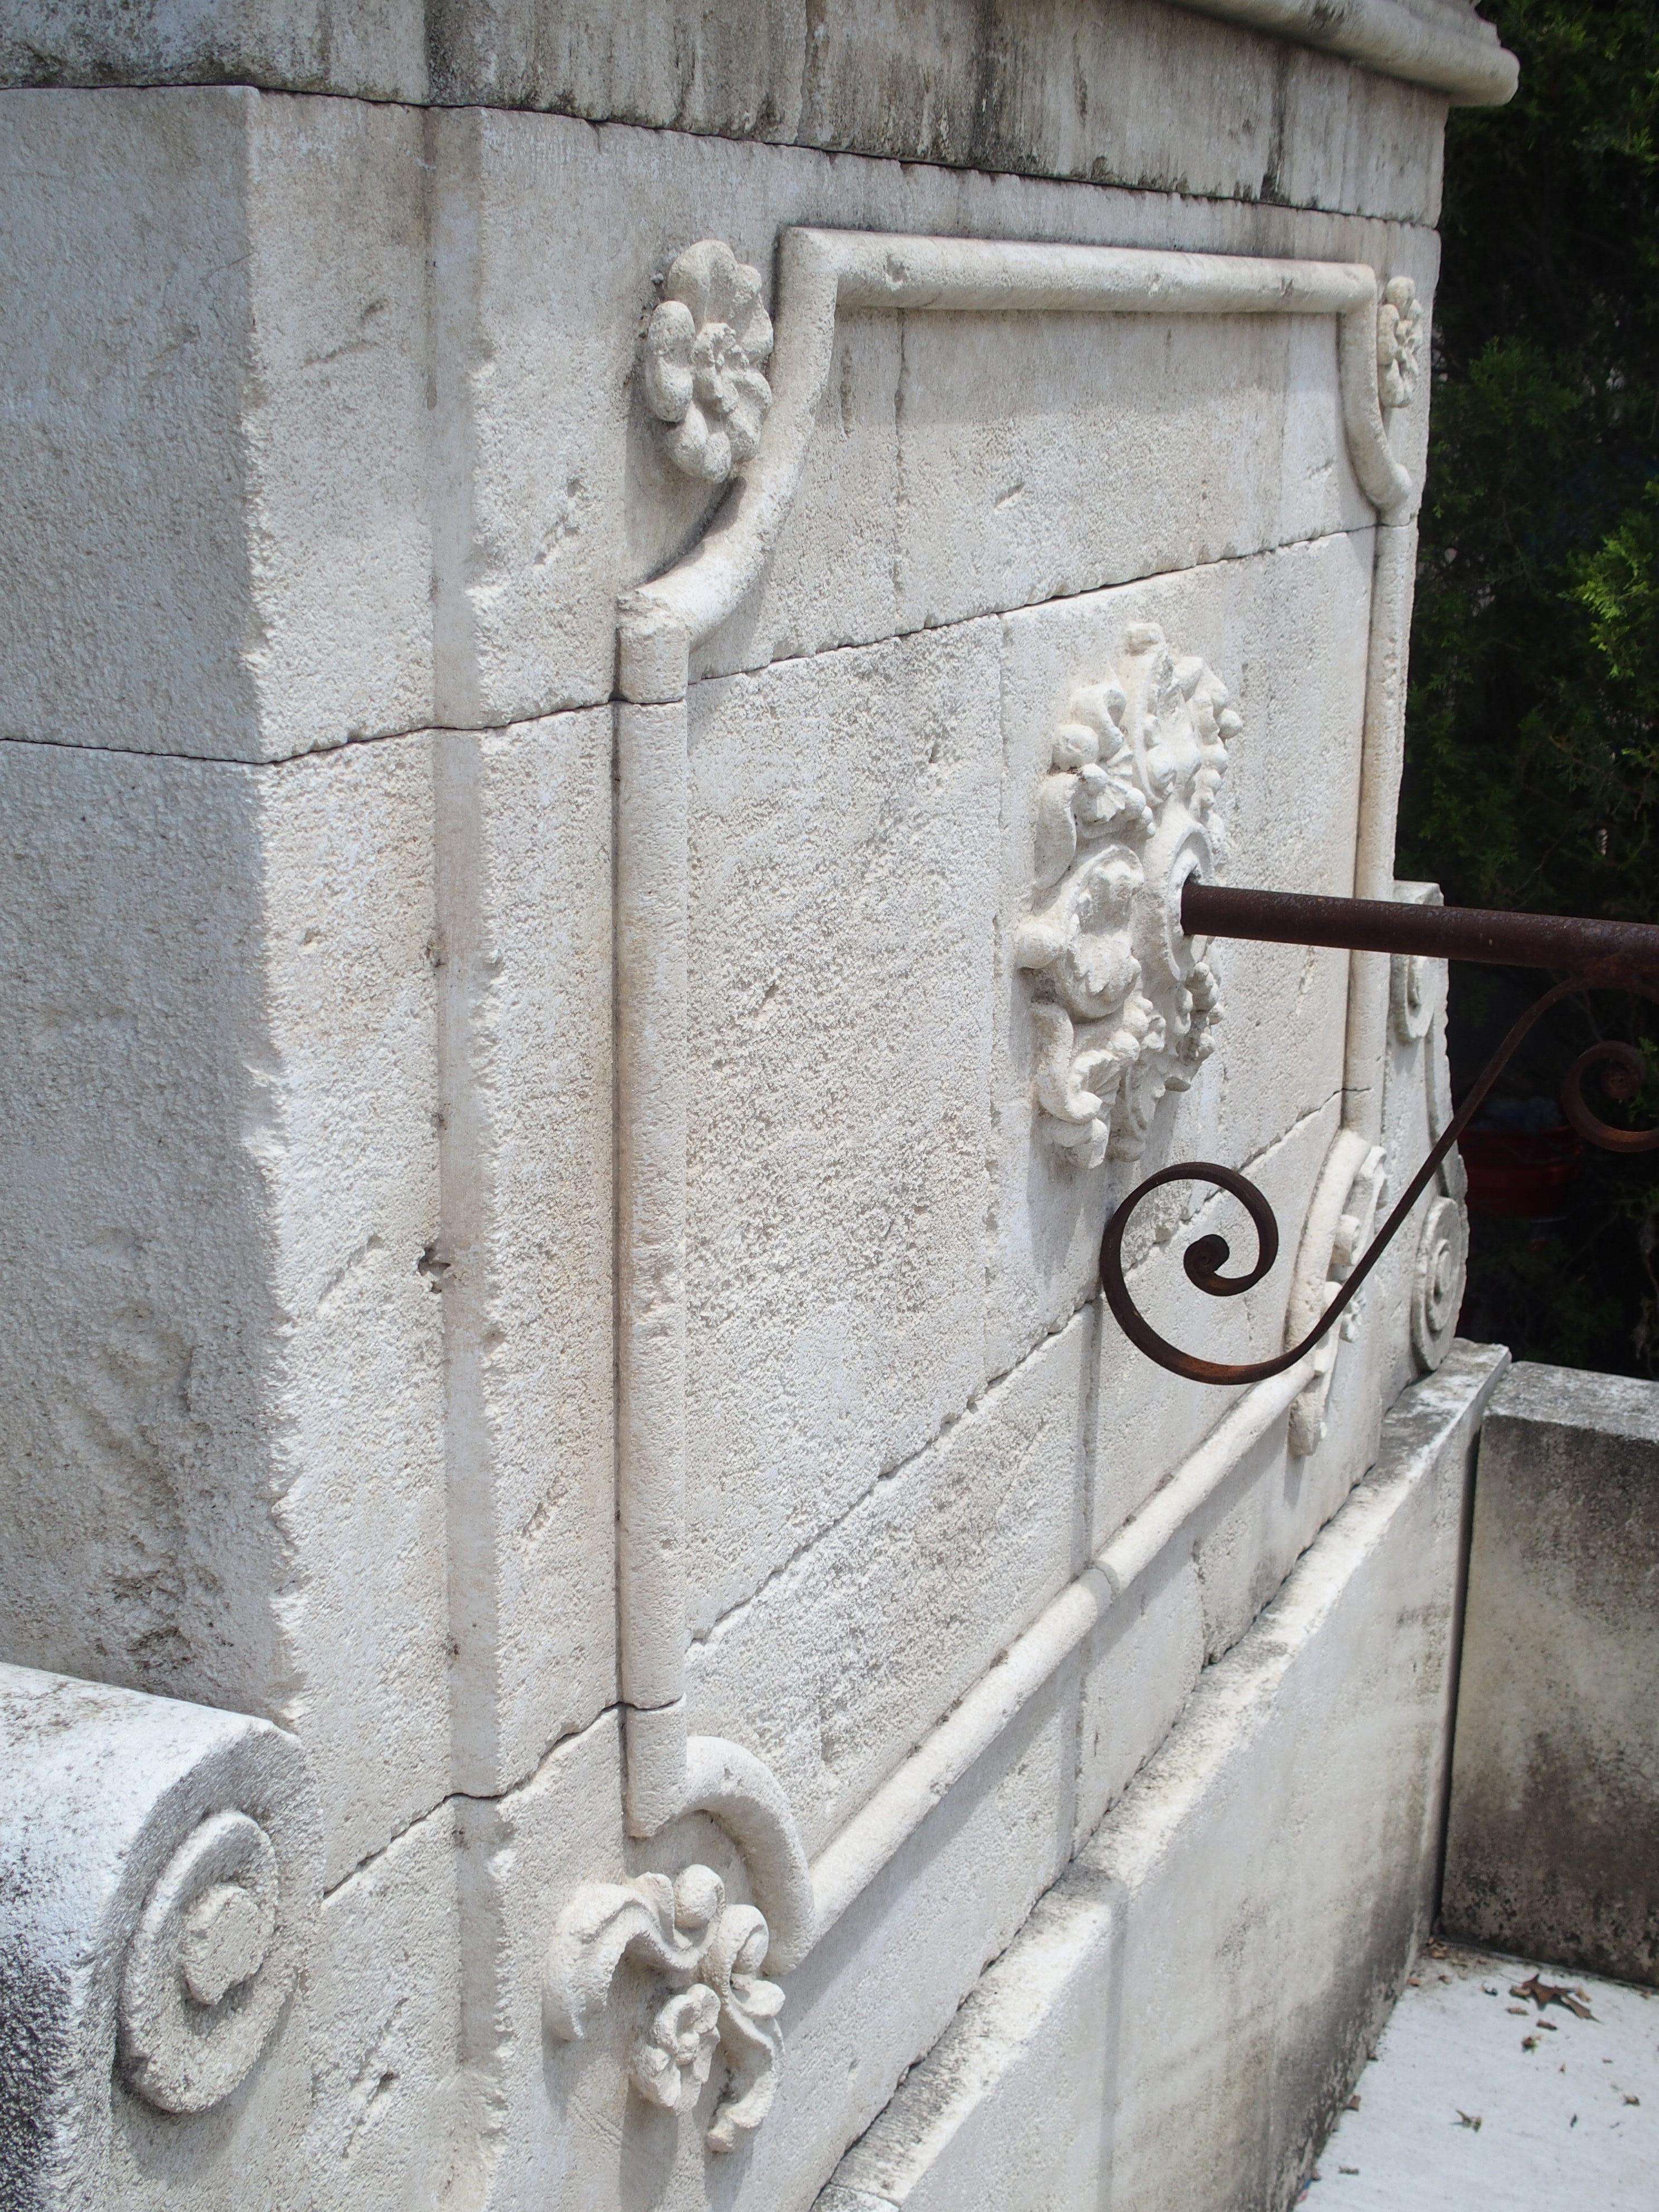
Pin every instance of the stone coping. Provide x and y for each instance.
(571, 58)
(1449, 49)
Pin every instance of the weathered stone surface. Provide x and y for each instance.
(1141, 94)
(335, 873)
(1553, 1840)
(356, 503)
(839, 1096)
(224, 1467)
(214, 423)
(1241, 1922)
(876, 1630)
(523, 823)
(925, 498)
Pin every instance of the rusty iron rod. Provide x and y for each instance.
(1606, 951)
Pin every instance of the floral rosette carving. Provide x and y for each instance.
(1398, 342)
(1124, 1004)
(711, 1998)
(705, 347)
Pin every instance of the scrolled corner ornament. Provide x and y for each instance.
(711, 1995)
(705, 347)
(1398, 343)
(1439, 1273)
(1340, 1225)
(1124, 1004)
(209, 1968)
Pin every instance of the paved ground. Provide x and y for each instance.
(1478, 2099)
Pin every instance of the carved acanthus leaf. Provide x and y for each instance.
(1123, 1003)
(707, 1956)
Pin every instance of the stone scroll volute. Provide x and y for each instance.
(1124, 1005)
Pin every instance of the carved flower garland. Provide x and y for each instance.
(704, 349)
(1398, 342)
(1123, 1005)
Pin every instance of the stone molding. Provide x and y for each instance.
(160, 1864)
(1451, 50)
(420, 50)
(822, 273)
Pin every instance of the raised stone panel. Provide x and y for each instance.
(525, 938)
(843, 857)
(214, 432)
(978, 463)
(838, 1661)
(1286, 634)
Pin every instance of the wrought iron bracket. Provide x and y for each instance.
(1599, 955)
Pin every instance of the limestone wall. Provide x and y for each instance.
(553, 1178)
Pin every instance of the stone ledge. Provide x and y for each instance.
(996, 88)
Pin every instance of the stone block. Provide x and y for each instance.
(1553, 1848)
(214, 426)
(523, 823)
(843, 855)
(1277, 1860)
(851, 1652)
(364, 49)
(225, 1468)
(1011, 2107)
(1286, 635)
(272, 490)
(392, 2095)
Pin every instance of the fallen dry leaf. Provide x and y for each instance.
(1353, 2102)
(1529, 2043)
(1633, 2100)
(1522, 2009)
(1468, 2120)
(1348, 2169)
(1542, 1993)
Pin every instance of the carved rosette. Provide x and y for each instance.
(705, 347)
(1398, 343)
(1124, 1004)
(709, 1997)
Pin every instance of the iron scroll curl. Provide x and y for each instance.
(1619, 1067)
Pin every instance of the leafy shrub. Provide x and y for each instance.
(1532, 769)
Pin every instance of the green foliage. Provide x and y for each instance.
(1532, 732)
